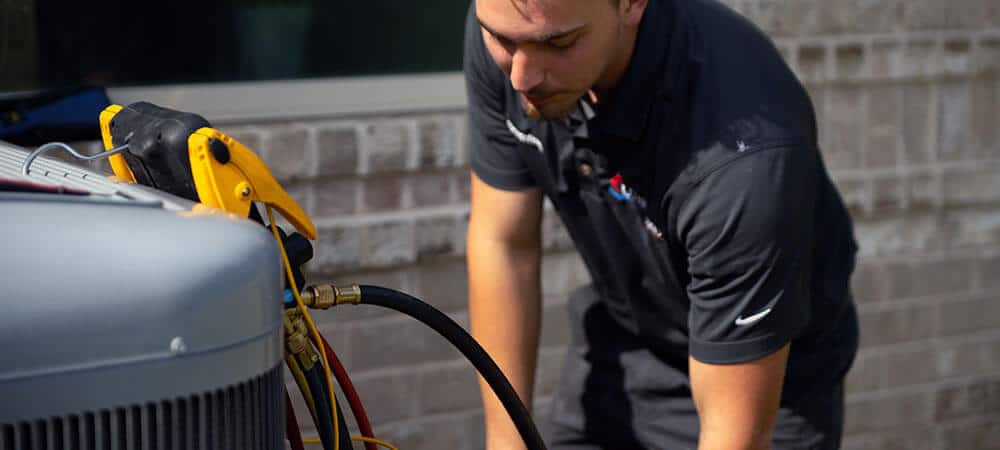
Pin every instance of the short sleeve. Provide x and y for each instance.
(494, 150)
(747, 228)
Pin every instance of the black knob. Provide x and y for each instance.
(219, 150)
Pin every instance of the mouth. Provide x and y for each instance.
(538, 100)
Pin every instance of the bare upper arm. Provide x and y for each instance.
(738, 403)
(511, 217)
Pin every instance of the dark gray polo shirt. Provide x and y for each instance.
(695, 193)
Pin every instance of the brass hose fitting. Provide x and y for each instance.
(296, 340)
(323, 296)
(320, 296)
(351, 294)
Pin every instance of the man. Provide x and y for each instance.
(680, 152)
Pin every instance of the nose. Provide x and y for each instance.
(525, 72)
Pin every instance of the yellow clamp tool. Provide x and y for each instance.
(225, 173)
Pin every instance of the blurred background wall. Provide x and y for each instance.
(907, 93)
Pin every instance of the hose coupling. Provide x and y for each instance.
(350, 294)
(323, 296)
(320, 296)
(296, 343)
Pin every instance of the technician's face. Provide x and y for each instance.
(553, 51)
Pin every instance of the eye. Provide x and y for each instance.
(561, 43)
(506, 43)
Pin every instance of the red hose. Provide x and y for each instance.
(352, 396)
(292, 432)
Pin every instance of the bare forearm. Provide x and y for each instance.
(504, 299)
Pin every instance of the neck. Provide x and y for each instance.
(607, 83)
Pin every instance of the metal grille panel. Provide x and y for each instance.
(245, 416)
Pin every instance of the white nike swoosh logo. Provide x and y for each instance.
(751, 319)
(524, 137)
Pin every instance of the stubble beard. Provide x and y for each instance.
(552, 113)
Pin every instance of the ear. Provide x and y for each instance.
(633, 10)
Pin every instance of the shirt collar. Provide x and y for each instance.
(625, 110)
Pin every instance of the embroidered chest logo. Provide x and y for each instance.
(621, 192)
(525, 138)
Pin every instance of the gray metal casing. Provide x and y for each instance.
(126, 296)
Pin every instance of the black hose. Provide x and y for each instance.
(454, 333)
(318, 388)
(323, 423)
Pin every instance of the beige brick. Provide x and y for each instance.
(446, 388)
(918, 124)
(287, 153)
(461, 231)
(971, 187)
(867, 373)
(444, 285)
(928, 278)
(983, 434)
(885, 59)
(433, 189)
(924, 14)
(548, 373)
(954, 117)
(909, 438)
(562, 272)
(381, 193)
(883, 126)
(386, 396)
(972, 399)
(444, 432)
(909, 234)
(969, 316)
(388, 244)
(928, 362)
(985, 116)
(833, 17)
(987, 57)
(436, 237)
(250, 137)
(859, 442)
(897, 325)
(857, 195)
(921, 58)
(870, 283)
(439, 145)
(812, 63)
(338, 150)
(782, 18)
(336, 198)
(387, 146)
(396, 343)
(957, 56)
(555, 326)
(461, 182)
(888, 195)
(845, 119)
(850, 60)
(868, 16)
(887, 412)
(337, 249)
(554, 233)
(923, 191)
(989, 271)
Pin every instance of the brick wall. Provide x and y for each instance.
(907, 93)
